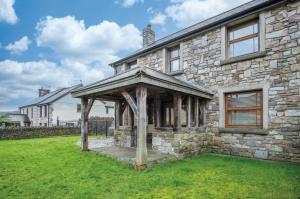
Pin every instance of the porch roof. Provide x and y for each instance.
(141, 75)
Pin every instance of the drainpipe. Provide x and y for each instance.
(48, 114)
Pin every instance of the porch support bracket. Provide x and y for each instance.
(130, 101)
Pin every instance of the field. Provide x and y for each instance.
(56, 168)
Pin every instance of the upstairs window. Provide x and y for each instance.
(244, 109)
(131, 65)
(174, 59)
(243, 39)
(41, 111)
(78, 108)
(45, 112)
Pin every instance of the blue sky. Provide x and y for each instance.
(56, 43)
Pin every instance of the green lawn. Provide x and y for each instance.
(55, 168)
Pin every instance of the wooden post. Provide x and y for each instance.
(84, 124)
(141, 150)
(117, 114)
(130, 118)
(196, 112)
(157, 110)
(189, 112)
(202, 113)
(177, 110)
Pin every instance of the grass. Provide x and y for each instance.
(55, 168)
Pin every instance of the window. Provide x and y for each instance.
(45, 124)
(41, 111)
(31, 112)
(78, 108)
(174, 59)
(131, 65)
(45, 112)
(244, 109)
(243, 39)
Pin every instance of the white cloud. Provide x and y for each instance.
(20, 80)
(7, 12)
(83, 54)
(72, 40)
(158, 19)
(188, 12)
(18, 47)
(129, 3)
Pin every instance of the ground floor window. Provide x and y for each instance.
(244, 109)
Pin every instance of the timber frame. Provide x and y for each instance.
(141, 92)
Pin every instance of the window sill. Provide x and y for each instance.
(243, 57)
(244, 131)
(179, 72)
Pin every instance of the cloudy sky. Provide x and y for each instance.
(57, 43)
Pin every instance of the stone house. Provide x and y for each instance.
(228, 85)
(58, 108)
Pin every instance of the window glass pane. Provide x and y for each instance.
(232, 100)
(131, 65)
(244, 47)
(174, 53)
(175, 65)
(244, 118)
(247, 99)
(255, 47)
(248, 30)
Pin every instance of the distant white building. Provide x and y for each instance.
(58, 108)
(14, 118)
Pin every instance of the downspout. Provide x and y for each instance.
(48, 114)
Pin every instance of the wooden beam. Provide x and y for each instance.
(189, 112)
(130, 101)
(89, 106)
(157, 110)
(141, 150)
(196, 112)
(177, 103)
(84, 124)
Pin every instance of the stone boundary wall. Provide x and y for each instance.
(36, 132)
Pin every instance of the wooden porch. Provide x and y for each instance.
(145, 97)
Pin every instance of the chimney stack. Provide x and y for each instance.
(43, 92)
(148, 36)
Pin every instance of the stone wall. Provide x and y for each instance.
(182, 143)
(123, 136)
(36, 132)
(278, 67)
(275, 69)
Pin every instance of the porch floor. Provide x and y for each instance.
(125, 154)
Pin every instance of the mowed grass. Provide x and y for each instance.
(55, 168)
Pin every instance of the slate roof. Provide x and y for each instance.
(203, 25)
(51, 97)
(144, 75)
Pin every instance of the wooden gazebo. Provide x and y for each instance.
(148, 93)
